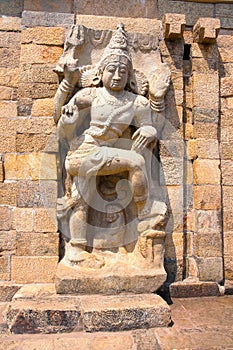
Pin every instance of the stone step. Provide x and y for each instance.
(44, 311)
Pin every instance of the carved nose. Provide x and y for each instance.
(116, 75)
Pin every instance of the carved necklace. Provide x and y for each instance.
(114, 100)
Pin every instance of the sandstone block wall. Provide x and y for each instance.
(195, 147)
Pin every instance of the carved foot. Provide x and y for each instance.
(76, 253)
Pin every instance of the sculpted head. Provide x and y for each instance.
(115, 71)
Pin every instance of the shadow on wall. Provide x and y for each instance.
(173, 172)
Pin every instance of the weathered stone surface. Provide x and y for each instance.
(207, 197)
(46, 19)
(205, 51)
(45, 220)
(37, 309)
(10, 23)
(227, 168)
(6, 92)
(227, 220)
(146, 9)
(227, 103)
(228, 248)
(37, 244)
(8, 290)
(9, 77)
(1, 171)
(210, 269)
(44, 316)
(8, 109)
(6, 218)
(201, 148)
(38, 73)
(227, 198)
(174, 245)
(10, 40)
(8, 193)
(31, 166)
(5, 268)
(36, 143)
(43, 107)
(206, 91)
(37, 194)
(228, 267)
(7, 241)
(203, 65)
(36, 90)
(11, 7)
(23, 219)
(206, 172)
(51, 6)
(24, 107)
(208, 221)
(139, 25)
(33, 269)
(14, 55)
(206, 130)
(206, 30)
(224, 12)
(189, 289)
(171, 171)
(173, 26)
(124, 312)
(35, 125)
(32, 53)
(227, 150)
(226, 87)
(208, 244)
(42, 35)
(71, 280)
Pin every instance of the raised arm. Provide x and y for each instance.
(70, 118)
(146, 133)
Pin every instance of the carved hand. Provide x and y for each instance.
(71, 71)
(143, 137)
(70, 114)
(159, 82)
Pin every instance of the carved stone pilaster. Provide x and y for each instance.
(206, 30)
(173, 26)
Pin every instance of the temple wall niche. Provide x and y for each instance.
(195, 147)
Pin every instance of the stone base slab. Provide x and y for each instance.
(72, 280)
(192, 289)
(228, 287)
(38, 309)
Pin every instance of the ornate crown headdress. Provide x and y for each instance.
(118, 46)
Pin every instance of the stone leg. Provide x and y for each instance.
(78, 230)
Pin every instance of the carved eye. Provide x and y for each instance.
(111, 68)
